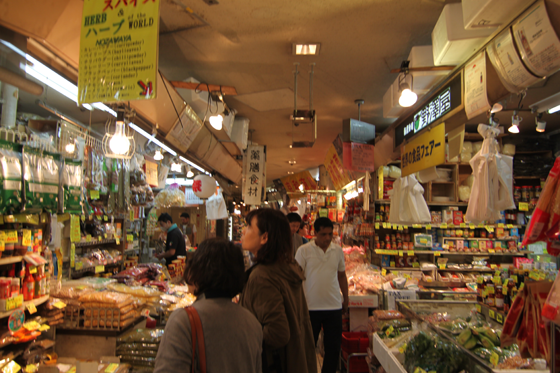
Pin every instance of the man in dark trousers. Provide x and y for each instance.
(175, 243)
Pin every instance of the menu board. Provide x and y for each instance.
(505, 59)
(537, 41)
(476, 98)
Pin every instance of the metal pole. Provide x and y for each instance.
(311, 87)
(295, 87)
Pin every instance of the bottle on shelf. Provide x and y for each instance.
(499, 298)
(28, 285)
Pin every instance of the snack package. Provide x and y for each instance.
(41, 180)
(71, 191)
(10, 175)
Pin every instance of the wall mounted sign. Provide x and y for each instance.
(427, 150)
(444, 102)
(254, 179)
(118, 50)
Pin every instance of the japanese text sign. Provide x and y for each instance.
(427, 150)
(118, 50)
(335, 168)
(254, 174)
(358, 157)
(292, 182)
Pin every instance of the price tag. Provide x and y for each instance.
(534, 275)
(523, 206)
(392, 264)
(26, 239)
(72, 255)
(416, 225)
(88, 238)
(437, 253)
(384, 225)
(410, 252)
(83, 218)
(32, 325)
(542, 276)
(389, 331)
(479, 279)
(402, 349)
(99, 217)
(44, 327)
(60, 304)
(33, 270)
(111, 368)
(492, 314)
(494, 359)
(105, 235)
(94, 194)
(514, 278)
(491, 251)
(105, 218)
(79, 266)
(129, 237)
(383, 272)
(2, 246)
(406, 227)
(509, 226)
(471, 226)
(99, 238)
(415, 265)
(12, 237)
(99, 269)
(395, 227)
(500, 225)
(407, 276)
(491, 290)
(521, 287)
(441, 266)
(478, 308)
(376, 225)
(451, 225)
(31, 308)
(500, 318)
(443, 225)
(489, 228)
(497, 280)
(401, 253)
(117, 241)
(462, 225)
(145, 312)
(493, 266)
(429, 227)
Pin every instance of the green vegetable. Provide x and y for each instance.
(483, 353)
(464, 336)
(433, 354)
(486, 342)
(471, 343)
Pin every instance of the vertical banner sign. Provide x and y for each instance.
(151, 173)
(75, 228)
(292, 182)
(255, 160)
(476, 99)
(118, 50)
(334, 166)
(427, 150)
(358, 157)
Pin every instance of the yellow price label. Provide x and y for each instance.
(26, 239)
(493, 266)
(88, 238)
(521, 287)
(429, 227)
(500, 225)
(410, 252)
(129, 237)
(500, 318)
(406, 227)
(491, 251)
(514, 278)
(395, 227)
(407, 276)
(462, 225)
(534, 275)
(105, 218)
(401, 253)
(31, 308)
(2, 246)
(492, 314)
(402, 349)
(471, 226)
(12, 237)
(443, 225)
(131, 214)
(489, 228)
(523, 206)
(376, 225)
(111, 368)
(94, 194)
(60, 304)
(117, 241)
(509, 226)
(44, 327)
(437, 253)
(384, 225)
(383, 272)
(83, 218)
(79, 266)
(105, 235)
(33, 269)
(392, 264)
(478, 308)
(494, 359)
(99, 217)
(415, 265)
(99, 269)
(442, 266)
(99, 238)
(416, 225)
(32, 325)
(389, 330)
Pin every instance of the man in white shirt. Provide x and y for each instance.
(325, 277)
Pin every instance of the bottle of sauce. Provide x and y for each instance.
(480, 289)
(28, 285)
(491, 295)
(499, 298)
(507, 298)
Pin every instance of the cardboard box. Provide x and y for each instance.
(457, 217)
(363, 301)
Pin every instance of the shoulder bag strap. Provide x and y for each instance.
(200, 334)
(193, 337)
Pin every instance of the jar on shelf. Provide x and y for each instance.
(525, 194)
(491, 295)
(499, 298)
(531, 192)
(517, 194)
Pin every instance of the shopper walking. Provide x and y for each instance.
(295, 223)
(189, 229)
(325, 277)
(232, 335)
(274, 294)
(175, 242)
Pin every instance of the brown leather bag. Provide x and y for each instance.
(197, 337)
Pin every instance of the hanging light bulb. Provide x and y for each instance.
(119, 143)
(515, 121)
(158, 156)
(175, 167)
(408, 98)
(216, 121)
(189, 172)
(70, 147)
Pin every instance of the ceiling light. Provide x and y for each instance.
(194, 165)
(301, 188)
(175, 167)
(70, 148)
(306, 49)
(189, 172)
(513, 128)
(290, 172)
(266, 202)
(158, 156)
(554, 109)
(119, 143)
(289, 146)
(153, 139)
(216, 121)
(408, 98)
(515, 121)
(541, 125)
(292, 161)
(550, 104)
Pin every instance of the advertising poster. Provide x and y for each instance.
(476, 98)
(337, 172)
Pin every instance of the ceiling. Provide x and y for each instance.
(248, 45)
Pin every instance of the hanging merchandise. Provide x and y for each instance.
(10, 174)
(71, 191)
(95, 177)
(493, 179)
(203, 186)
(407, 202)
(41, 180)
(216, 207)
(169, 197)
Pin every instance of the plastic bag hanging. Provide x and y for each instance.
(407, 202)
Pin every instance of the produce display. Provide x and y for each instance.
(139, 347)
(431, 353)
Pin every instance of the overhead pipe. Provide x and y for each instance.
(9, 77)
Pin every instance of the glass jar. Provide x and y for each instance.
(499, 298)
(525, 194)
(491, 295)
(517, 193)
(531, 192)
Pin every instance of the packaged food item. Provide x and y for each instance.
(422, 240)
(71, 191)
(10, 176)
(41, 180)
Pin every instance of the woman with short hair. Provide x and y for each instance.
(274, 294)
(232, 335)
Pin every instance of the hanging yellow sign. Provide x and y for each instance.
(336, 170)
(118, 50)
(426, 150)
(292, 183)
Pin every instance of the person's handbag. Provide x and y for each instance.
(197, 337)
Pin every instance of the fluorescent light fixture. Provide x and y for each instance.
(152, 138)
(306, 49)
(550, 104)
(193, 165)
(190, 174)
(47, 76)
(554, 109)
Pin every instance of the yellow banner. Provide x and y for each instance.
(426, 150)
(338, 174)
(118, 50)
(292, 182)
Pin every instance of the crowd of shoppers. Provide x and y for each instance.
(291, 292)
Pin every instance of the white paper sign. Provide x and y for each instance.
(185, 130)
(537, 41)
(254, 163)
(476, 99)
(394, 296)
(503, 55)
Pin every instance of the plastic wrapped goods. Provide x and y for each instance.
(464, 193)
(394, 172)
(71, 191)
(467, 147)
(10, 176)
(170, 196)
(41, 180)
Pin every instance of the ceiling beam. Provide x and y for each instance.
(228, 91)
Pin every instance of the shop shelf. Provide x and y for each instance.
(36, 302)
(11, 259)
(478, 238)
(404, 269)
(491, 312)
(94, 243)
(518, 253)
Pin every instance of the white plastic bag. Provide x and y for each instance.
(216, 207)
(407, 202)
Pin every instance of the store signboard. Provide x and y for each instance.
(427, 150)
(254, 163)
(292, 183)
(118, 50)
(335, 168)
(358, 157)
(444, 102)
(151, 173)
